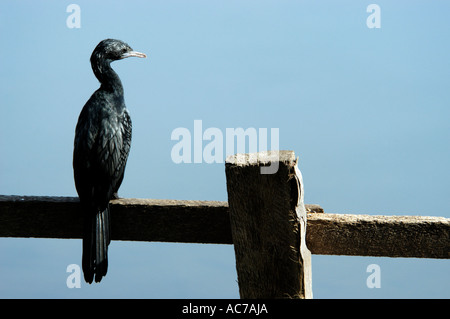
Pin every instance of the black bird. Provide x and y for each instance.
(101, 147)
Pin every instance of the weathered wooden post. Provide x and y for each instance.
(268, 225)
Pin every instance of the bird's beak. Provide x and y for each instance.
(133, 53)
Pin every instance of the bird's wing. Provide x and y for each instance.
(85, 138)
(112, 149)
(102, 144)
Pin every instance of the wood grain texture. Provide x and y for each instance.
(369, 235)
(268, 221)
(131, 219)
(208, 222)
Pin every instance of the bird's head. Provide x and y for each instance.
(112, 50)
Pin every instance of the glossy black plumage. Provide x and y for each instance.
(101, 147)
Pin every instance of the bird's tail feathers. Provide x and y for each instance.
(95, 245)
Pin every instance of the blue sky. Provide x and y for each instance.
(366, 110)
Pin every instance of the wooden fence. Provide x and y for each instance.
(265, 218)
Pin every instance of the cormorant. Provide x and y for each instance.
(101, 147)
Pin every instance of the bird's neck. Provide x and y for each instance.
(108, 78)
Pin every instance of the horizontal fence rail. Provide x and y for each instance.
(188, 221)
